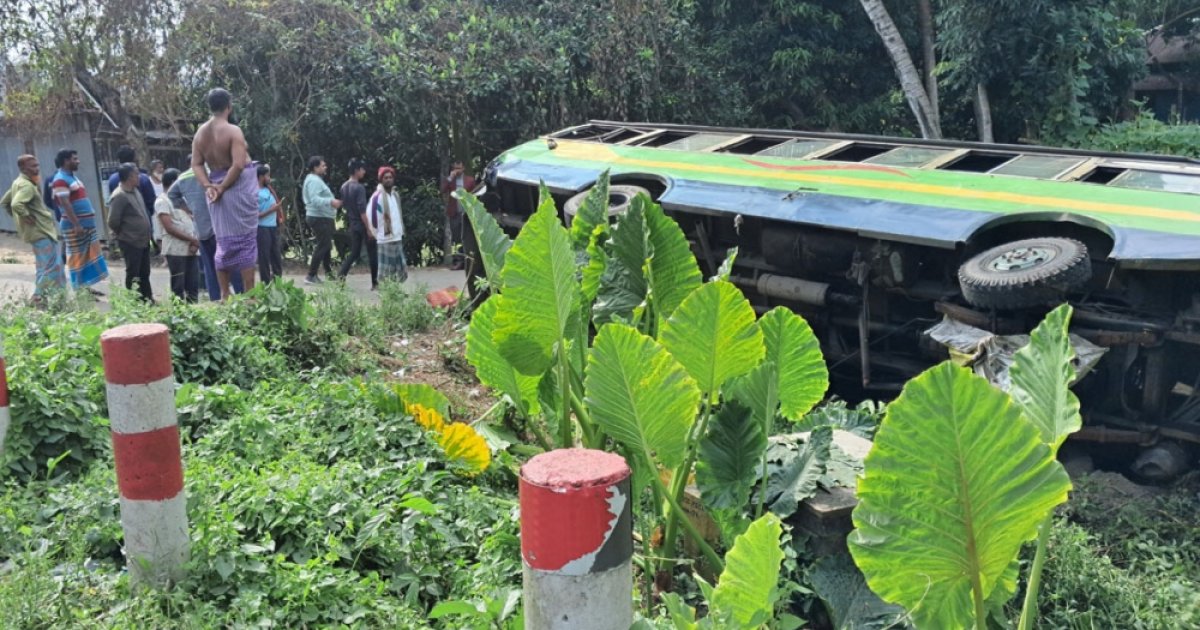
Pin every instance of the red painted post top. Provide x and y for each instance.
(575, 468)
(576, 512)
(136, 354)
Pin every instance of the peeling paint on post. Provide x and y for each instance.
(5, 418)
(145, 437)
(577, 541)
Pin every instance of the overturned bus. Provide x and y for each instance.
(902, 252)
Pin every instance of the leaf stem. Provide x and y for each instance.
(1029, 610)
(768, 429)
(680, 477)
(678, 514)
(566, 434)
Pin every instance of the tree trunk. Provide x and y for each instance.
(929, 54)
(906, 71)
(983, 113)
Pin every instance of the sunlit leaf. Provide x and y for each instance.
(540, 293)
(491, 367)
(713, 335)
(593, 214)
(747, 587)
(1041, 379)
(957, 480)
(672, 272)
(639, 395)
(466, 448)
(422, 394)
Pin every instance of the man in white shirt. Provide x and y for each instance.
(387, 222)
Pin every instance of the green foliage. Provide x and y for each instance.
(957, 480)
(593, 213)
(748, 585)
(793, 470)
(671, 272)
(641, 396)
(493, 242)
(1144, 134)
(850, 603)
(540, 293)
(308, 507)
(730, 455)
(713, 335)
(861, 420)
(490, 366)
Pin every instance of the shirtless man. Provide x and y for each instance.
(231, 185)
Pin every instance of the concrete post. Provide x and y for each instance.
(145, 437)
(4, 416)
(577, 541)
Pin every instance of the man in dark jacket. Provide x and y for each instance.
(354, 201)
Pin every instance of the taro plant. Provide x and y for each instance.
(960, 477)
(607, 334)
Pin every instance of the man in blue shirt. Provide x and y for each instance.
(270, 255)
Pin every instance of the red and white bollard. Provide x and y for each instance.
(5, 418)
(577, 541)
(145, 437)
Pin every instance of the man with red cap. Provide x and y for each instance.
(386, 222)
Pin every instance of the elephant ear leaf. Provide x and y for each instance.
(1041, 379)
(957, 480)
(491, 368)
(623, 281)
(640, 395)
(730, 458)
(493, 242)
(713, 335)
(673, 272)
(800, 367)
(747, 588)
(593, 213)
(540, 292)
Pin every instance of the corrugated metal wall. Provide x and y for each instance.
(45, 148)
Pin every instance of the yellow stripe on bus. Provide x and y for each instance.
(591, 151)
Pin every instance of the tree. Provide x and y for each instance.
(915, 91)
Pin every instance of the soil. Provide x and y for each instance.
(436, 357)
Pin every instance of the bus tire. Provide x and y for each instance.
(1025, 273)
(620, 196)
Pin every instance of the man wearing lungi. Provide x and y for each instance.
(35, 225)
(231, 185)
(85, 260)
(386, 220)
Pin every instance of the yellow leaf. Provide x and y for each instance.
(466, 447)
(429, 419)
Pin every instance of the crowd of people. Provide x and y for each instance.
(216, 222)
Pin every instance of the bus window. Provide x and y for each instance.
(665, 137)
(699, 141)
(1038, 166)
(910, 157)
(856, 152)
(752, 145)
(978, 162)
(1150, 180)
(797, 148)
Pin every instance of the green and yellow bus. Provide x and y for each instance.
(877, 240)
